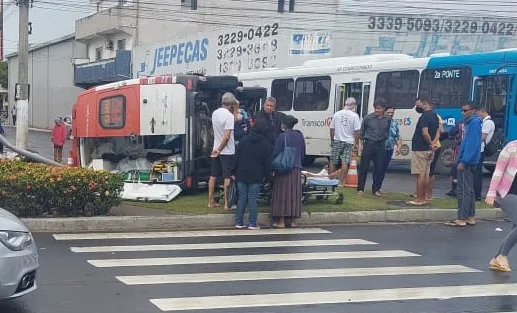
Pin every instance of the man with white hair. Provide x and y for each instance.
(224, 147)
(344, 137)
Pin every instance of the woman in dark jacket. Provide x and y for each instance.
(253, 164)
(287, 188)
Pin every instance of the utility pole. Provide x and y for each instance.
(22, 103)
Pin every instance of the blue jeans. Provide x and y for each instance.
(248, 194)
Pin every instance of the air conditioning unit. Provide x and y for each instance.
(109, 45)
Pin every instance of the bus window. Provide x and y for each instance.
(112, 112)
(312, 94)
(447, 87)
(282, 90)
(398, 88)
(366, 99)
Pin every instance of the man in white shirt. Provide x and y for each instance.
(344, 137)
(223, 153)
(487, 133)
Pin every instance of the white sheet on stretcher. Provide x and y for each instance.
(321, 179)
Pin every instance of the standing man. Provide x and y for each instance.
(392, 141)
(423, 146)
(3, 134)
(374, 132)
(468, 160)
(344, 138)
(223, 152)
(13, 115)
(273, 119)
(487, 133)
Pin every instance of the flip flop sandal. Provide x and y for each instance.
(495, 266)
(471, 224)
(454, 224)
(414, 203)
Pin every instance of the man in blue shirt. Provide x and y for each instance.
(467, 161)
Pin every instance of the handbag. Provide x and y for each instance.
(283, 163)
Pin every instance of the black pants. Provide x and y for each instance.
(372, 151)
(466, 198)
(478, 177)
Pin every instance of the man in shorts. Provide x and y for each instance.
(344, 136)
(223, 152)
(423, 146)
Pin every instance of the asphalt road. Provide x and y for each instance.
(398, 178)
(361, 269)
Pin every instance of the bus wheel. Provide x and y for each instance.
(309, 160)
(445, 161)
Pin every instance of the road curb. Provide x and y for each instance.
(190, 222)
(40, 130)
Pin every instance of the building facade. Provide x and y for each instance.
(229, 36)
(51, 79)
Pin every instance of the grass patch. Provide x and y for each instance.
(196, 204)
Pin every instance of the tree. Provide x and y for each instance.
(3, 73)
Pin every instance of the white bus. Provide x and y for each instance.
(314, 91)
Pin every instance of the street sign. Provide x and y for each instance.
(18, 91)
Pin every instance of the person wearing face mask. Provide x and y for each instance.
(423, 146)
(468, 159)
(393, 140)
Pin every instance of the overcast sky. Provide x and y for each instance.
(48, 22)
(55, 18)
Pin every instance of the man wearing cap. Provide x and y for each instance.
(344, 137)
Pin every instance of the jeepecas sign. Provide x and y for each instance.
(240, 49)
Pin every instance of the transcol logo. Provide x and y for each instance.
(317, 123)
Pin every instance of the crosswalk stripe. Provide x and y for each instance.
(179, 234)
(251, 258)
(224, 245)
(333, 297)
(293, 274)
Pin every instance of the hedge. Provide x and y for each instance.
(32, 190)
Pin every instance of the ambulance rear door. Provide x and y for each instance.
(163, 109)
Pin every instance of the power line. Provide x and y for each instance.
(154, 11)
(393, 5)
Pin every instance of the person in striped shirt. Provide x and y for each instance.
(503, 191)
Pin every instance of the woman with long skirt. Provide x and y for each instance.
(287, 188)
(503, 191)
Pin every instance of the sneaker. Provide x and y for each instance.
(253, 226)
(240, 226)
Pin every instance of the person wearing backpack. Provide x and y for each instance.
(487, 149)
(289, 151)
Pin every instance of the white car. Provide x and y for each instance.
(18, 258)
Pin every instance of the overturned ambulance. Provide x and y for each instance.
(156, 131)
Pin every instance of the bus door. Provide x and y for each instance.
(497, 94)
(359, 91)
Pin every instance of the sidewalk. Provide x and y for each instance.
(136, 219)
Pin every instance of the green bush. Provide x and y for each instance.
(31, 190)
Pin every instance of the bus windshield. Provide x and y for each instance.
(446, 87)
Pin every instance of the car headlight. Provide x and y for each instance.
(15, 240)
